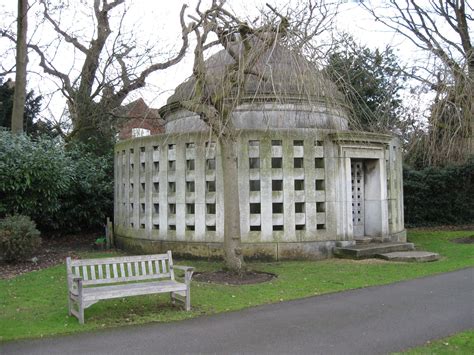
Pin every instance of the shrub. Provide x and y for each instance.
(89, 200)
(33, 176)
(437, 196)
(19, 237)
(61, 188)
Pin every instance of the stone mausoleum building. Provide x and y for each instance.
(307, 182)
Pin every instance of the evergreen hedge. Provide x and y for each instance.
(439, 196)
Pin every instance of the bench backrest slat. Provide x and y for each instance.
(122, 269)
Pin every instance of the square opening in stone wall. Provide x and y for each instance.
(320, 226)
(299, 185)
(155, 148)
(142, 225)
(142, 149)
(210, 186)
(277, 163)
(277, 227)
(190, 164)
(299, 207)
(211, 164)
(277, 207)
(142, 207)
(298, 143)
(254, 208)
(255, 228)
(156, 187)
(131, 187)
(300, 227)
(190, 145)
(171, 187)
(190, 186)
(171, 146)
(156, 208)
(189, 227)
(298, 163)
(318, 143)
(172, 227)
(142, 166)
(319, 163)
(156, 226)
(254, 143)
(254, 185)
(172, 208)
(210, 145)
(131, 151)
(142, 187)
(319, 185)
(254, 163)
(172, 165)
(156, 166)
(190, 208)
(320, 207)
(211, 228)
(131, 167)
(210, 208)
(276, 142)
(277, 185)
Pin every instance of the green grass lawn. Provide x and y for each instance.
(35, 304)
(462, 343)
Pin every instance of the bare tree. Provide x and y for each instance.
(107, 67)
(441, 28)
(245, 44)
(21, 61)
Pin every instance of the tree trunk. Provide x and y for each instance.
(232, 240)
(21, 60)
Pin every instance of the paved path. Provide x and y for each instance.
(374, 320)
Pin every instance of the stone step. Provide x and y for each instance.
(365, 251)
(410, 256)
(363, 240)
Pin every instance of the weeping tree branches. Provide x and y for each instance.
(441, 28)
(242, 46)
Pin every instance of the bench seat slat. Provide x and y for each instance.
(125, 279)
(101, 276)
(107, 271)
(116, 291)
(122, 270)
(93, 272)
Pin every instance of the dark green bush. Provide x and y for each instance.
(33, 176)
(62, 189)
(19, 238)
(89, 200)
(439, 196)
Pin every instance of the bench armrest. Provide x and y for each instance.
(76, 285)
(188, 272)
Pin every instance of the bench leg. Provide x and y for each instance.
(81, 312)
(69, 304)
(188, 299)
(173, 299)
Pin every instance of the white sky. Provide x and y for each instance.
(159, 21)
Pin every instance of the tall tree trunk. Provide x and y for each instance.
(232, 240)
(21, 60)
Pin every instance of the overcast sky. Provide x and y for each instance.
(158, 21)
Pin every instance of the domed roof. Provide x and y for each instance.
(279, 75)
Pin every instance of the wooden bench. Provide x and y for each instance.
(123, 277)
